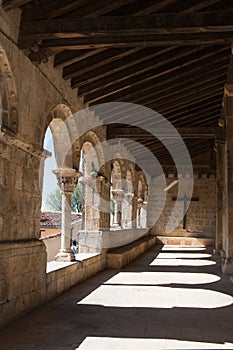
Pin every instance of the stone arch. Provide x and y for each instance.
(90, 160)
(97, 151)
(61, 135)
(116, 175)
(8, 96)
(129, 181)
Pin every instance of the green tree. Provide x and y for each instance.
(54, 200)
(77, 199)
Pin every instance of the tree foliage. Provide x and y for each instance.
(54, 200)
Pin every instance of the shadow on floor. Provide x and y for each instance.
(111, 306)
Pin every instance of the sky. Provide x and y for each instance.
(50, 182)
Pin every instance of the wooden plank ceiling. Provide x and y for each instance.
(169, 55)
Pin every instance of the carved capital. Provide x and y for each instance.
(67, 179)
(118, 195)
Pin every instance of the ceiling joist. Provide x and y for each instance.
(159, 24)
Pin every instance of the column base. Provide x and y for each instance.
(116, 225)
(64, 256)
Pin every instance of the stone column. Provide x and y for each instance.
(67, 181)
(45, 155)
(227, 173)
(104, 220)
(126, 219)
(220, 166)
(118, 196)
(134, 210)
(140, 205)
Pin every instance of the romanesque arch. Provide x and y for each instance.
(61, 135)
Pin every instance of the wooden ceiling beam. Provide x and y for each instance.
(158, 24)
(98, 8)
(91, 65)
(99, 95)
(50, 9)
(8, 5)
(156, 94)
(157, 7)
(91, 76)
(196, 94)
(187, 132)
(126, 70)
(182, 117)
(141, 41)
(203, 102)
(188, 75)
(219, 72)
(200, 6)
(68, 57)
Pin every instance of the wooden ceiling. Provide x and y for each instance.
(169, 55)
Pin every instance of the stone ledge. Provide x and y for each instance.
(122, 256)
(82, 258)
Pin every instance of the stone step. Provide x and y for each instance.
(185, 241)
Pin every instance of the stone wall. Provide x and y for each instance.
(20, 194)
(22, 278)
(201, 214)
(37, 89)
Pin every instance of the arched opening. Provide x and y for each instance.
(117, 195)
(142, 202)
(91, 189)
(127, 202)
(59, 184)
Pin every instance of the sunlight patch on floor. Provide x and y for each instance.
(181, 262)
(181, 248)
(106, 343)
(156, 297)
(181, 255)
(155, 278)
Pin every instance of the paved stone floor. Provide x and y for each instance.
(169, 298)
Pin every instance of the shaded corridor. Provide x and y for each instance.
(169, 298)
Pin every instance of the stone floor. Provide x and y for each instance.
(170, 298)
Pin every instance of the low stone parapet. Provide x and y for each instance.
(122, 256)
(118, 238)
(63, 275)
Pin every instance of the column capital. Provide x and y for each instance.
(118, 195)
(46, 154)
(67, 179)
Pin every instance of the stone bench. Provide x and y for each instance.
(122, 256)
